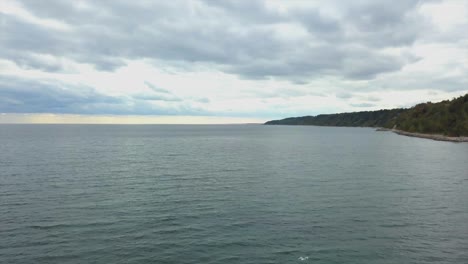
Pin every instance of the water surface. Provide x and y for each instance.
(229, 194)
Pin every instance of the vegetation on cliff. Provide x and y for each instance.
(447, 117)
(378, 118)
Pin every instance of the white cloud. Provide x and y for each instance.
(447, 14)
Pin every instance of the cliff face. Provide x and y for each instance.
(446, 118)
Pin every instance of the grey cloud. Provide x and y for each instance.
(155, 88)
(22, 36)
(381, 23)
(285, 93)
(157, 97)
(369, 65)
(344, 95)
(416, 81)
(19, 40)
(157, 94)
(347, 95)
(234, 36)
(244, 38)
(21, 96)
(251, 11)
(363, 105)
(449, 84)
(372, 98)
(203, 100)
(321, 27)
(27, 61)
(24, 96)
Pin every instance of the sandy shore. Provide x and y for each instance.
(430, 136)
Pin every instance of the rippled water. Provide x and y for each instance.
(229, 194)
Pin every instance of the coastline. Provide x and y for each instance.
(436, 137)
(427, 136)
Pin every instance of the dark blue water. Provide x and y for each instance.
(229, 194)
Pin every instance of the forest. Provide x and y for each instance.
(449, 117)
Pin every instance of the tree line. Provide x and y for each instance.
(449, 117)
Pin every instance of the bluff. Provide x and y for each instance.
(449, 117)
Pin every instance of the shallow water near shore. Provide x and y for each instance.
(229, 194)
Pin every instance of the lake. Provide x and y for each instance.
(229, 194)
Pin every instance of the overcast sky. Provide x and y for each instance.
(198, 60)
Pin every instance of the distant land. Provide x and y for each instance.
(448, 118)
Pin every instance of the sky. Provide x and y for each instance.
(229, 61)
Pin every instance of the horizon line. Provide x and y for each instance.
(76, 119)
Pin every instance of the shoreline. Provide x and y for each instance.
(426, 136)
(436, 137)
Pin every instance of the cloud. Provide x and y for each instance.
(21, 96)
(363, 105)
(155, 88)
(344, 95)
(203, 100)
(245, 39)
(206, 57)
(26, 96)
(163, 97)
